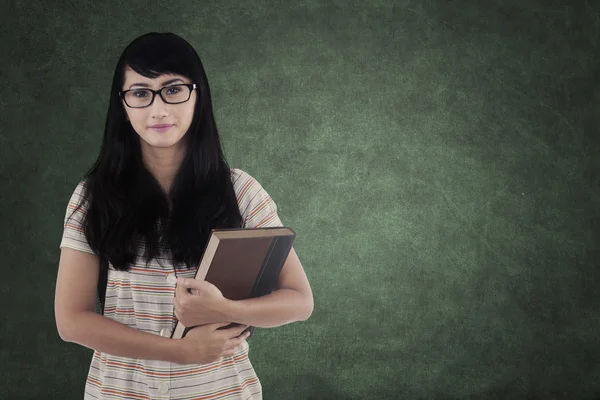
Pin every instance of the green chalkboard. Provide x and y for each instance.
(438, 160)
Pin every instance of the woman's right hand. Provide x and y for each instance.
(206, 343)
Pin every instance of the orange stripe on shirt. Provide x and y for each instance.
(259, 207)
(245, 188)
(229, 391)
(123, 395)
(266, 220)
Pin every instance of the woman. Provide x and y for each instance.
(136, 227)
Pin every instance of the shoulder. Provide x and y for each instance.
(81, 187)
(79, 192)
(238, 173)
(78, 203)
(242, 180)
(78, 200)
(257, 207)
(247, 188)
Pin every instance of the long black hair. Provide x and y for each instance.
(126, 206)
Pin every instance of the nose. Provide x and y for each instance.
(159, 108)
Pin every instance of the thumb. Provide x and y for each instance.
(218, 325)
(189, 283)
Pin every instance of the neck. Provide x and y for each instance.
(163, 163)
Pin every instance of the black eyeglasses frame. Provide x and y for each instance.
(190, 86)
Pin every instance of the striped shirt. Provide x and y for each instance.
(142, 298)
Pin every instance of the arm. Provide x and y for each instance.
(103, 334)
(77, 321)
(292, 300)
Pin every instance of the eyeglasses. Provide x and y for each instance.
(172, 94)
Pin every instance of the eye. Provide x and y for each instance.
(140, 93)
(173, 90)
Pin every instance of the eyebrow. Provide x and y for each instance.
(164, 83)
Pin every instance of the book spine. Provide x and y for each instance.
(277, 255)
(264, 266)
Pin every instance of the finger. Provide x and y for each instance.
(229, 353)
(180, 291)
(236, 342)
(233, 346)
(241, 329)
(190, 283)
(218, 325)
(235, 331)
(178, 302)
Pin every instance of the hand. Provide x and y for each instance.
(205, 305)
(205, 344)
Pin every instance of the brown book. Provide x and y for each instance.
(243, 263)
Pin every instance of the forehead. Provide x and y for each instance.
(132, 77)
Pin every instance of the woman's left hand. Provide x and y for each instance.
(205, 305)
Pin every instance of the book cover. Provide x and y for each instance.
(243, 263)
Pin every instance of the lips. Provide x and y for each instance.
(162, 128)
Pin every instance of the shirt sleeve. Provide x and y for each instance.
(73, 235)
(258, 209)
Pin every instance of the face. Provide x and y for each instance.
(179, 116)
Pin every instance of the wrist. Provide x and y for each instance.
(234, 310)
(176, 351)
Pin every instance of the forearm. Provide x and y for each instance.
(105, 335)
(281, 307)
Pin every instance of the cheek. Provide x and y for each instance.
(191, 105)
(137, 119)
(188, 116)
(128, 113)
(138, 126)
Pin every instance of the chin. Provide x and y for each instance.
(162, 142)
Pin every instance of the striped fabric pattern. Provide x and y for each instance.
(142, 299)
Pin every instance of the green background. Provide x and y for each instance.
(439, 161)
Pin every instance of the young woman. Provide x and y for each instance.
(134, 232)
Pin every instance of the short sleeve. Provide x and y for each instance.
(258, 209)
(73, 234)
